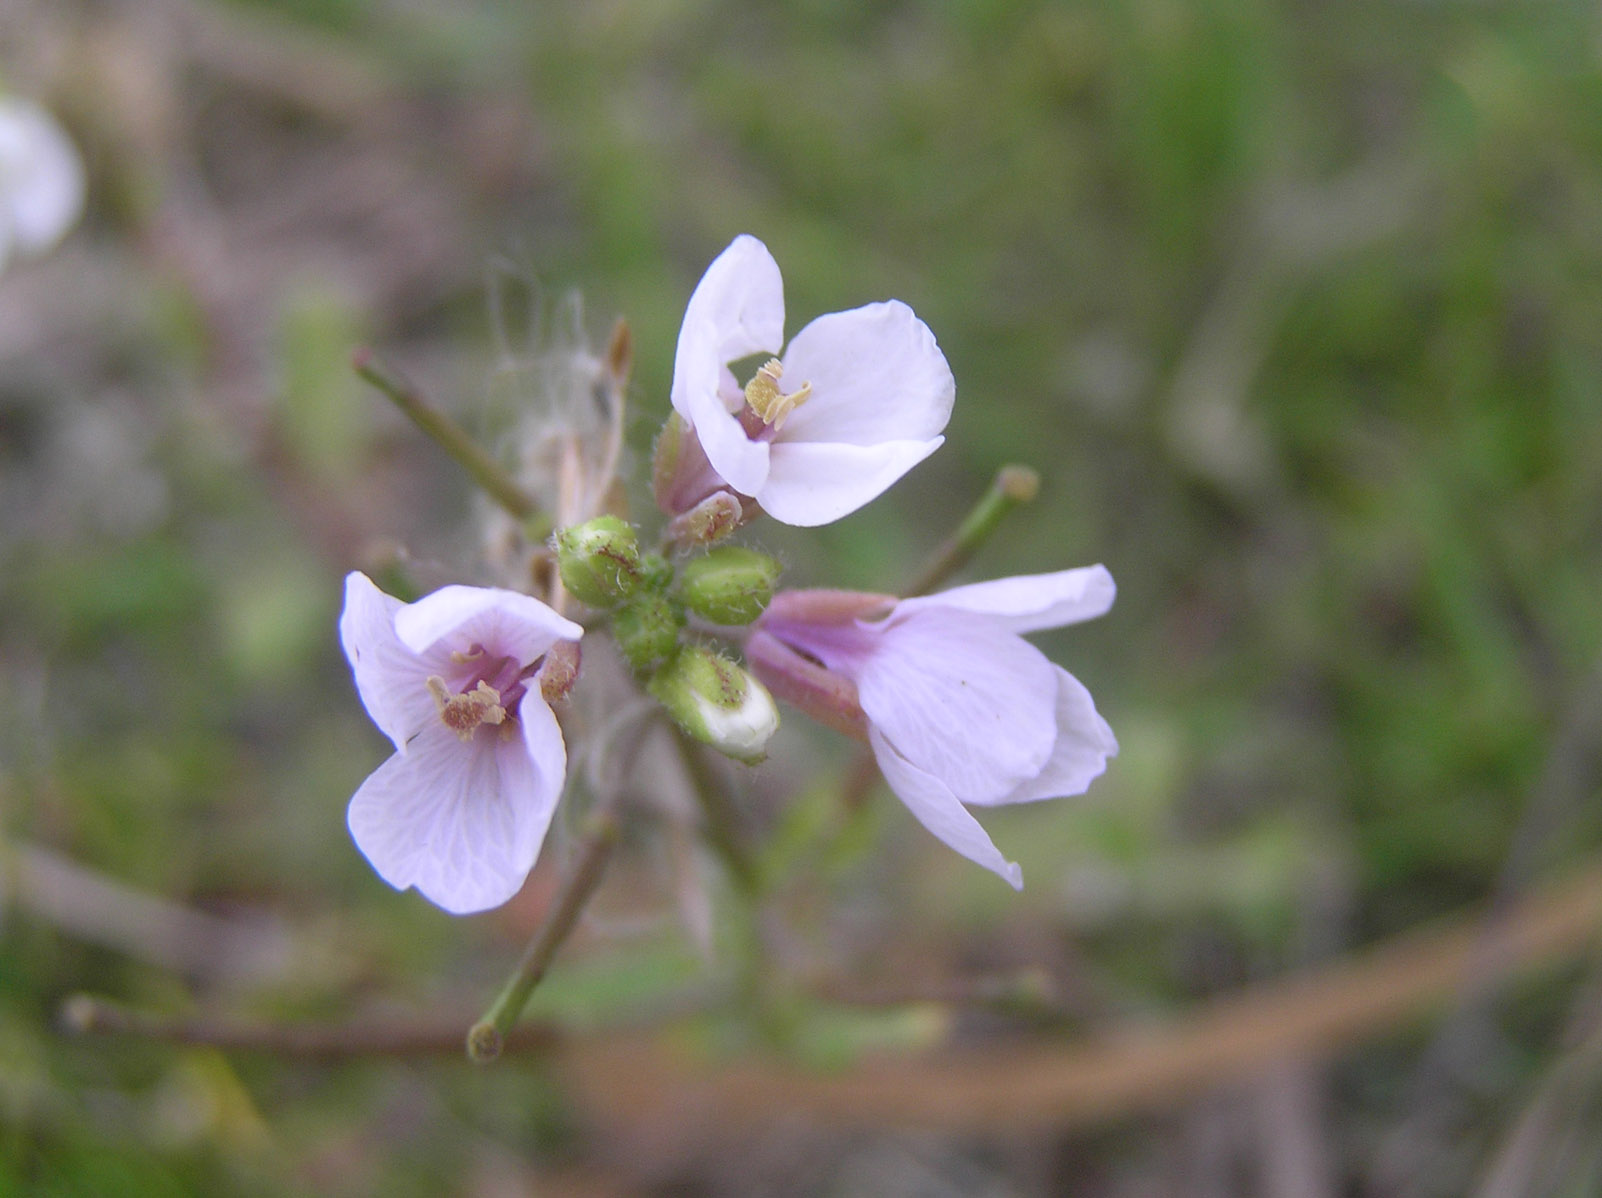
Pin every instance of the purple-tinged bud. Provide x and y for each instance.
(681, 476)
(718, 703)
(714, 518)
(827, 697)
(731, 585)
(666, 459)
(559, 671)
(599, 560)
(828, 607)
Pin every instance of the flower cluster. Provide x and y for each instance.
(959, 710)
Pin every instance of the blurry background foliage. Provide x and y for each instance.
(1297, 309)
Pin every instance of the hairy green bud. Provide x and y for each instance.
(599, 560)
(647, 629)
(656, 573)
(717, 702)
(731, 585)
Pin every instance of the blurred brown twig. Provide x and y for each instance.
(1016, 1089)
(83, 1014)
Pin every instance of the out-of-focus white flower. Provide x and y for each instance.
(957, 706)
(461, 809)
(857, 399)
(41, 180)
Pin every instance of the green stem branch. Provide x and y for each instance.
(446, 433)
(1013, 487)
(719, 817)
(488, 1036)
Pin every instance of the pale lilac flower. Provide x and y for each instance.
(856, 401)
(41, 180)
(957, 706)
(462, 807)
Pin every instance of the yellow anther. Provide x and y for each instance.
(463, 713)
(767, 401)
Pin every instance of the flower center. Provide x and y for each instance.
(488, 697)
(463, 713)
(770, 404)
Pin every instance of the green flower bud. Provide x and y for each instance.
(730, 585)
(647, 629)
(599, 560)
(656, 573)
(717, 703)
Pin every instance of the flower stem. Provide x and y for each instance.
(449, 435)
(487, 1037)
(718, 815)
(1013, 487)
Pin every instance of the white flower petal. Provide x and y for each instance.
(41, 177)
(937, 809)
(534, 768)
(810, 484)
(730, 394)
(877, 375)
(737, 309)
(973, 706)
(504, 622)
(390, 678)
(1028, 602)
(1084, 742)
(439, 818)
(740, 303)
(738, 460)
(703, 385)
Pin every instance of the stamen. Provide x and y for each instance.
(463, 713)
(767, 401)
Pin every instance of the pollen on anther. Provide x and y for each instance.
(767, 401)
(463, 713)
